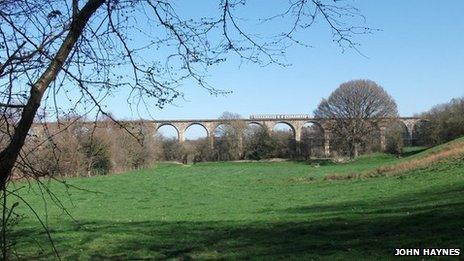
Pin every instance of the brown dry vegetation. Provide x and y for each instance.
(450, 151)
(78, 148)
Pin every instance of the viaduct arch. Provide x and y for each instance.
(295, 122)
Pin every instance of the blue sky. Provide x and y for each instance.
(417, 56)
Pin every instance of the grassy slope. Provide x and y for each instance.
(237, 210)
(448, 153)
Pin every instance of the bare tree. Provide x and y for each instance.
(445, 122)
(395, 137)
(228, 141)
(83, 51)
(61, 56)
(231, 123)
(355, 110)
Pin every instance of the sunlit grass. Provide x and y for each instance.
(250, 210)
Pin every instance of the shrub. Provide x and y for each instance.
(171, 150)
(75, 147)
(97, 155)
(445, 122)
(394, 139)
(341, 177)
(259, 145)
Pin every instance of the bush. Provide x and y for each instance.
(76, 147)
(97, 155)
(226, 148)
(129, 152)
(445, 122)
(285, 145)
(259, 145)
(394, 139)
(171, 150)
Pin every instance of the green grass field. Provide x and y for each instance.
(269, 210)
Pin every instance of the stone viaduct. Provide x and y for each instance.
(295, 122)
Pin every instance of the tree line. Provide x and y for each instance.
(80, 147)
(67, 56)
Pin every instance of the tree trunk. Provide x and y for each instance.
(10, 154)
(354, 150)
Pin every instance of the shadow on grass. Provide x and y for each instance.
(409, 151)
(451, 197)
(348, 238)
(354, 230)
(315, 161)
